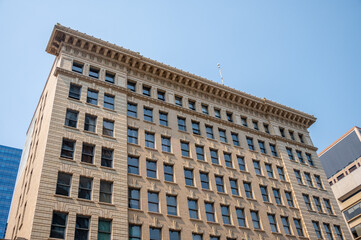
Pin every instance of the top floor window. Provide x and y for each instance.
(266, 128)
(94, 72)
(255, 125)
(131, 86)
(290, 154)
(178, 101)
(217, 113)
(146, 91)
(74, 91)
(282, 132)
(300, 136)
(109, 77)
(92, 97)
(291, 135)
(250, 143)
(244, 121)
(196, 129)
(229, 117)
(161, 95)
(273, 150)
(222, 135)
(192, 105)
(309, 159)
(205, 109)
(77, 67)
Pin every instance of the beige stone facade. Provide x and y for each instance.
(149, 132)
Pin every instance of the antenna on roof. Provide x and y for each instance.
(220, 73)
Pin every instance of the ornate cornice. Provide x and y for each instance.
(135, 61)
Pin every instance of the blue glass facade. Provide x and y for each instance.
(9, 164)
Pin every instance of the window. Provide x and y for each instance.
(255, 125)
(282, 132)
(318, 204)
(90, 123)
(133, 165)
(178, 101)
(148, 114)
(209, 212)
(300, 136)
(185, 149)
(92, 97)
(74, 91)
(182, 124)
(153, 202)
(226, 217)
(58, 225)
(193, 208)
(204, 180)
(109, 77)
(196, 236)
(277, 195)
(272, 222)
(351, 169)
(329, 207)
(286, 225)
(93, 72)
(298, 176)
(266, 128)
(132, 135)
(108, 128)
(107, 157)
(200, 152)
(244, 121)
(134, 198)
(214, 156)
(219, 184)
(63, 184)
(308, 179)
(132, 110)
(235, 139)
(155, 233)
(188, 176)
(209, 131)
(309, 159)
(214, 238)
(316, 226)
(135, 232)
(228, 159)
(273, 150)
(356, 231)
(290, 154)
(328, 232)
(77, 67)
(264, 193)
(131, 86)
(248, 189)
(85, 187)
(318, 181)
(104, 229)
(250, 143)
(257, 167)
(109, 101)
(105, 193)
(87, 153)
(217, 113)
(174, 235)
(241, 163)
(166, 146)
(192, 105)
(298, 226)
(338, 232)
(168, 173)
(306, 198)
(262, 147)
(241, 217)
(205, 109)
(281, 173)
(234, 186)
(71, 118)
(161, 95)
(289, 199)
(149, 139)
(269, 170)
(163, 119)
(172, 205)
(229, 117)
(146, 91)
(291, 135)
(299, 155)
(151, 169)
(67, 148)
(255, 219)
(196, 129)
(222, 135)
(339, 177)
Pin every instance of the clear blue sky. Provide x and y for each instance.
(303, 54)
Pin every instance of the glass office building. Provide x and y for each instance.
(9, 164)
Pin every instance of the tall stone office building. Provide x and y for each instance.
(124, 147)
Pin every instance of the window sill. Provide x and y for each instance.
(134, 175)
(223, 193)
(110, 110)
(226, 143)
(252, 199)
(135, 210)
(155, 213)
(229, 225)
(281, 205)
(169, 153)
(88, 164)
(167, 127)
(173, 216)
(259, 230)
(89, 104)
(195, 219)
(75, 100)
(265, 154)
(67, 159)
(151, 149)
(215, 223)
(153, 179)
(244, 228)
(134, 118)
(242, 171)
(72, 128)
(133, 144)
(212, 139)
(290, 235)
(273, 179)
(109, 137)
(293, 208)
(237, 196)
(146, 121)
(63, 196)
(168, 182)
(92, 133)
(202, 161)
(268, 203)
(284, 181)
(261, 176)
(107, 204)
(181, 131)
(192, 187)
(231, 168)
(108, 168)
(277, 233)
(252, 151)
(189, 158)
(207, 190)
(85, 200)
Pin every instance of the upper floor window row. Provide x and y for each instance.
(292, 135)
(93, 72)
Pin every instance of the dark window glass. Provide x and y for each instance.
(255, 220)
(153, 202)
(146, 91)
(257, 167)
(196, 128)
(281, 173)
(277, 195)
(109, 77)
(155, 233)
(282, 132)
(185, 149)
(214, 156)
(85, 187)
(235, 139)
(71, 118)
(269, 170)
(182, 124)
(250, 143)
(316, 226)
(133, 135)
(134, 198)
(193, 208)
(204, 180)
(241, 163)
(67, 148)
(273, 150)
(219, 183)
(163, 119)
(92, 97)
(300, 136)
(222, 135)
(290, 154)
(107, 157)
(244, 121)
(166, 145)
(149, 140)
(286, 225)
(63, 184)
(200, 152)
(234, 186)
(309, 159)
(266, 128)
(109, 101)
(328, 231)
(291, 135)
(174, 235)
(131, 86)
(209, 131)
(132, 110)
(108, 128)
(298, 176)
(168, 173)
(262, 147)
(255, 125)
(209, 212)
(318, 204)
(248, 189)
(225, 214)
(172, 205)
(178, 101)
(273, 222)
(205, 109)
(161, 95)
(338, 232)
(300, 157)
(105, 193)
(241, 217)
(87, 153)
(151, 169)
(90, 123)
(104, 229)
(306, 198)
(148, 114)
(289, 199)
(192, 105)
(74, 91)
(308, 179)
(188, 176)
(264, 193)
(298, 226)
(77, 67)
(58, 225)
(229, 117)
(228, 159)
(133, 165)
(356, 210)
(93, 72)
(135, 232)
(217, 113)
